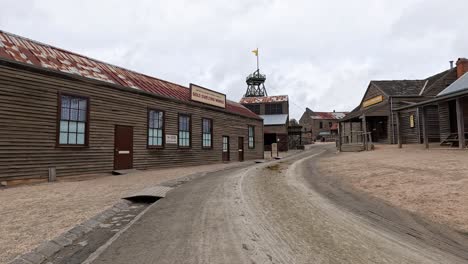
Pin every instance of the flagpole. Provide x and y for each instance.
(258, 68)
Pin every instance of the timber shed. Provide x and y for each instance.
(440, 119)
(66, 112)
(375, 118)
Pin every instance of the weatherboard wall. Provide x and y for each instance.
(28, 122)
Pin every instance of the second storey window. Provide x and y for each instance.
(155, 128)
(73, 120)
(254, 108)
(184, 131)
(207, 133)
(321, 124)
(273, 109)
(251, 137)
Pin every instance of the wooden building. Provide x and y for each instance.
(275, 113)
(375, 115)
(442, 118)
(64, 111)
(320, 126)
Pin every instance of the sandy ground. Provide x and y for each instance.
(34, 213)
(262, 214)
(432, 183)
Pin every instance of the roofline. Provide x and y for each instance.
(86, 57)
(47, 71)
(434, 100)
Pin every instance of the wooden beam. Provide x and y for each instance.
(339, 136)
(460, 124)
(364, 126)
(398, 129)
(424, 128)
(351, 132)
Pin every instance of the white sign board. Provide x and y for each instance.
(207, 96)
(171, 139)
(274, 150)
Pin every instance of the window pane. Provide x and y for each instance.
(150, 132)
(83, 104)
(81, 127)
(73, 114)
(80, 139)
(65, 114)
(65, 102)
(72, 126)
(63, 138)
(82, 115)
(63, 126)
(159, 141)
(150, 141)
(72, 138)
(74, 103)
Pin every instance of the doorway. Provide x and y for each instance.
(241, 148)
(123, 147)
(225, 148)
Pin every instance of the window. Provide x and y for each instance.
(184, 131)
(411, 121)
(321, 125)
(207, 133)
(251, 137)
(330, 124)
(273, 109)
(155, 128)
(254, 108)
(225, 144)
(73, 120)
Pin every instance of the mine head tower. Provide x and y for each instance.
(256, 82)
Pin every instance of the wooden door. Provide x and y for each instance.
(241, 148)
(226, 148)
(123, 148)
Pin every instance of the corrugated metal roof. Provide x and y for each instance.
(28, 51)
(328, 115)
(274, 119)
(264, 99)
(458, 85)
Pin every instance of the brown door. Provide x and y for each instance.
(123, 150)
(226, 148)
(241, 149)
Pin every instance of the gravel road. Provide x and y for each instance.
(267, 213)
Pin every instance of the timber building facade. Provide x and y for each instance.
(442, 118)
(78, 115)
(375, 117)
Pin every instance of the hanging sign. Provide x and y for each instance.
(207, 96)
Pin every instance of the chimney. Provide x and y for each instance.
(451, 64)
(462, 67)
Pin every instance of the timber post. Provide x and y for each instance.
(364, 125)
(460, 125)
(424, 127)
(398, 129)
(339, 136)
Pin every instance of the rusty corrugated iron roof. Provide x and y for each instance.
(328, 115)
(264, 99)
(28, 51)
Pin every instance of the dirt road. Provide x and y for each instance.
(268, 213)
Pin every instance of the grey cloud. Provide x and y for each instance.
(323, 54)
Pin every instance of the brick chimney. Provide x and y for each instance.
(462, 67)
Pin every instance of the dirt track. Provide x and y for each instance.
(269, 214)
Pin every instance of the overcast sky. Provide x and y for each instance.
(321, 53)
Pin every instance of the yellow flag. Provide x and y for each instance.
(255, 51)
